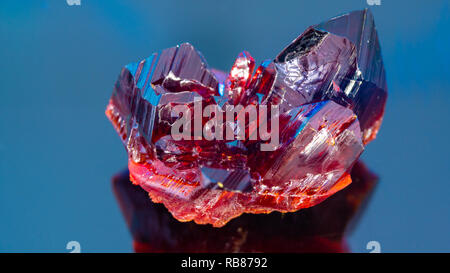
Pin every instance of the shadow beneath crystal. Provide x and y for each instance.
(322, 228)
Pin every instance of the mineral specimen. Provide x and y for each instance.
(329, 91)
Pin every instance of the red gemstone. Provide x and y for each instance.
(328, 86)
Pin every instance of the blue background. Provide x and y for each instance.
(58, 64)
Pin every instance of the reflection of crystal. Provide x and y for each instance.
(318, 229)
(330, 87)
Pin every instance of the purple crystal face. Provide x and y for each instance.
(330, 89)
(337, 60)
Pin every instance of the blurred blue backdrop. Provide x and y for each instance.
(58, 151)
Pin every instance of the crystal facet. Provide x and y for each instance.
(330, 89)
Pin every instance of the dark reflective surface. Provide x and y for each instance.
(322, 228)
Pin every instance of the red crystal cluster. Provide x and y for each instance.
(330, 88)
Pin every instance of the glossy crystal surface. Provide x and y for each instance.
(329, 85)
